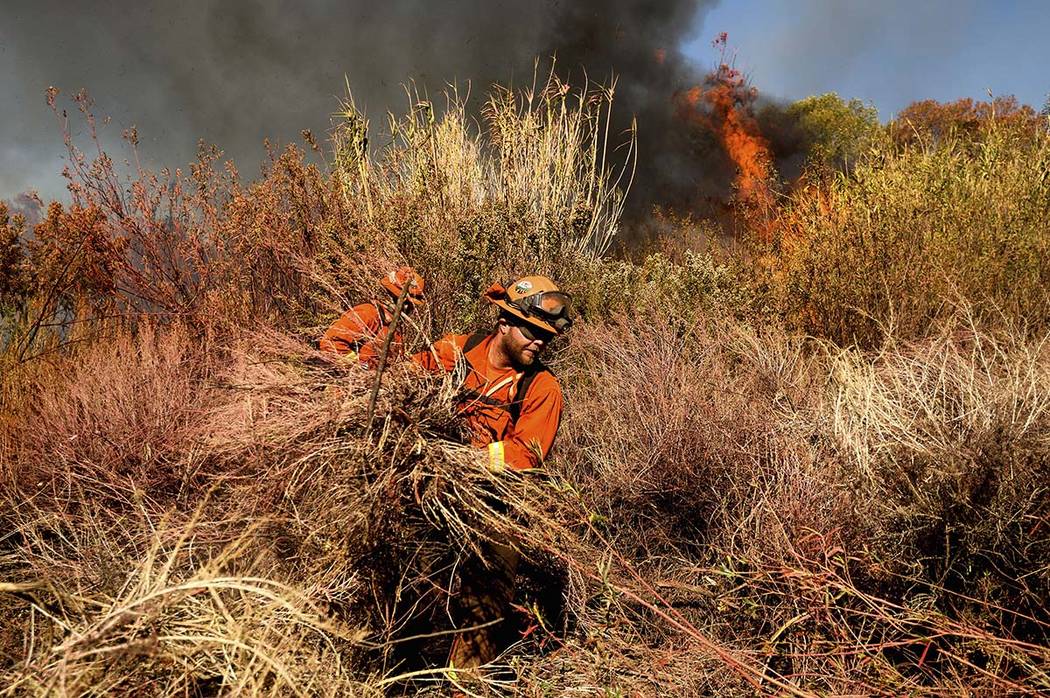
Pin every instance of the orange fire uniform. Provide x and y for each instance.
(491, 402)
(360, 333)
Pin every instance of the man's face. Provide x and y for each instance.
(523, 344)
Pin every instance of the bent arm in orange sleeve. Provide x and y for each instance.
(355, 327)
(443, 356)
(526, 444)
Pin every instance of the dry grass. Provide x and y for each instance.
(947, 439)
(828, 510)
(723, 499)
(176, 630)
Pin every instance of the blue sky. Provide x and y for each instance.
(888, 52)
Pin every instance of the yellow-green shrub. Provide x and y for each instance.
(914, 230)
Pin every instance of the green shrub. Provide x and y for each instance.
(914, 231)
(836, 131)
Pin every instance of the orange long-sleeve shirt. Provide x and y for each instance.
(361, 330)
(489, 391)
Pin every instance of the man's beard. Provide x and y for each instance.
(522, 358)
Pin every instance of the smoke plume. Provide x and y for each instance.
(235, 73)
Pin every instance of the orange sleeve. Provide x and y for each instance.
(355, 327)
(526, 444)
(443, 357)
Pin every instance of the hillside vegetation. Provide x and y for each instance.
(814, 462)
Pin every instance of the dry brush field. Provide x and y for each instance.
(815, 462)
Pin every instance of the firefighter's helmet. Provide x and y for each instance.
(535, 299)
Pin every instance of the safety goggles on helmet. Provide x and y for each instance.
(551, 307)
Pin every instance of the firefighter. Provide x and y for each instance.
(359, 333)
(513, 406)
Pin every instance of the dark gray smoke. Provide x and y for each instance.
(234, 73)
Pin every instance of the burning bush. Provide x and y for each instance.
(724, 106)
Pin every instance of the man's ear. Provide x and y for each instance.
(502, 326)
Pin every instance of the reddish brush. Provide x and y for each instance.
(113, 423)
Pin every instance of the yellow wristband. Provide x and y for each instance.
(496, 460)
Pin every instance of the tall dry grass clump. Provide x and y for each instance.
(540, 187)
(948, 440)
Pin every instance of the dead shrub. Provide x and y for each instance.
(947, 440)
(684, 426)
(110, 422)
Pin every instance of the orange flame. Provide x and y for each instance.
(717, 107)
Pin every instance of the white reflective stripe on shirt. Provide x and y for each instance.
(512, 378)
(495, 387)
